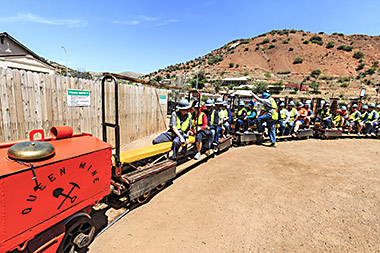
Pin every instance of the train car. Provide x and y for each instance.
(48, 186)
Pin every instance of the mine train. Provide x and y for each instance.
(49, 185)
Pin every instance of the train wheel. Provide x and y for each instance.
(79, 233)
(161, 186)
(143, 198)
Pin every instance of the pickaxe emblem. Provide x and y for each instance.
(59, 192)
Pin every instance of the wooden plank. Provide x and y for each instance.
(44, 121)
(32, 100)
(63, 98)
(5, 107)
(2, 137)
(10, 90)
(37, 95)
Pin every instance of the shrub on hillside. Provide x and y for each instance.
(246, 49)
(237, 65)
(344, 79)
(291, 49)
(331, 44)
(305, 42)
(358, 55)
(244, 41)
(215, 59)
(375, 64)
(265, 41)
(274, 40)
(231, 65)
(297, 60)
(344, 85)
(293, 31)
(360, 66)
(285, 42)
(271, 46)
(345, 48)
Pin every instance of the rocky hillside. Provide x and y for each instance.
(291, 56)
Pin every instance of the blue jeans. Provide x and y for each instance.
(374, 125)
(282, 128)
(216, 136)
(239, 123)
(270, 124)
(227, 127)
(166, 137)
(327, 123)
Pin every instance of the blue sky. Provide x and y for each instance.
(143, 36)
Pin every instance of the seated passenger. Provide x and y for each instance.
(325, 116)
(354, 118)
(179, 127)
(377, 123)
(212, 122)
(371, 120)
(300, 119)
(293, 114)
(337, 120)
(345, 116)
(250, 119)
(223, 116)
(227, 120)
(200, 129)
(241, 114)
(284, 118)
(363, 118)
(309, 116)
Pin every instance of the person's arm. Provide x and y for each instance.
(358, 116)
(173, 127)
(253, 115)
(243, 115)
(287, 118)
(204, 121)
(375, 117)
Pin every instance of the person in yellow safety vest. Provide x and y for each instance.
(240, 116)
(293, 115)
(325, 116)
(212, 123)
(250, 119)
(337, 119)
(270, 116)
(363, 118)
(223, 117)
(370, 124)
(377, 123)
(354, 118)
(219, 103)
(199, 125)
(284, 118)
(179, 127)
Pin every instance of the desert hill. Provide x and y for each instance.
(291, 56)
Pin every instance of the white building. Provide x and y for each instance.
(15, 55)
(236, 80)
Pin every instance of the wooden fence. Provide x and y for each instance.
(32, 100)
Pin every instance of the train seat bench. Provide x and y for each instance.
(148, 151)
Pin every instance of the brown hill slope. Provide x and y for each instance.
(275, 52)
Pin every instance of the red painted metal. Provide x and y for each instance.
(60, 132)
(74, 179)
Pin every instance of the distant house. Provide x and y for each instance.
(15, 55)
(236, 80)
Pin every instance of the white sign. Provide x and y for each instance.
(78, 97)
(163, 100)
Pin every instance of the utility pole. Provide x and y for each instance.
(196, 84)
(67, 75)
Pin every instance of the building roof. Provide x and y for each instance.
(4, 34)
(243, 78)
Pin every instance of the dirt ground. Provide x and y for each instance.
(303, 196)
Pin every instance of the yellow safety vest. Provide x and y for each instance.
(283, 113)
(200, 119)
(240, 112)
(353, 115)
(363, 117)
(370, 116)
(337, 119)
(223, 113)
(274, 109)
(185, 123)
(212, 117)
(325, 114)
(292, 114)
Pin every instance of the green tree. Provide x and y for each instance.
(231, 65)
(297, 60)
(315, 73)
(267, 74)
(315, 86)
(260, 87)
(331, 44)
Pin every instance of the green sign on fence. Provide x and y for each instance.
(78, 97)
(163, 100)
